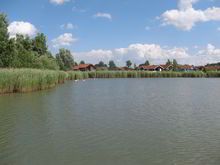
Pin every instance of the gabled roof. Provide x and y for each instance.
(150, 67)
(82, 66)
(187, 67)
(166, 66)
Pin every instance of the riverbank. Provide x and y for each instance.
(29, 80)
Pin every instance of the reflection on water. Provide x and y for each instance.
(113, 122)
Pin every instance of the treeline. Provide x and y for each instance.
(24, 52)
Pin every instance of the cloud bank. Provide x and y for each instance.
(156, 54)
(65, 39)
(186, 17)
(23, 28)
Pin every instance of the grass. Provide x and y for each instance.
(27, 80)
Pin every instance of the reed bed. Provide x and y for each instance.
(27, 80)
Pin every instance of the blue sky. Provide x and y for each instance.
(139, 30)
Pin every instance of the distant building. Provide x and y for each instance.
(184, 68)
(152, 68)
(84, 67)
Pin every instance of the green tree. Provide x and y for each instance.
(169, 62)
(147, 63)
(112, 65)
(128, 63)
(64, 59)
(101, 64)
(135, 66)
(175, 63)
(7, 46)
(40, 44)
(82, 62)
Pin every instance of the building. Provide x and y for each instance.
(84, 67)
(152, 68)
(167, 67)
(184, 68)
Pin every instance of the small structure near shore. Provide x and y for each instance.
(84, 67)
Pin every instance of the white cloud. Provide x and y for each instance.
(24, 28)
(218, 29)
(68, 26)
(59, 2)
(64, 40)
(186, 4)
(156, 54)
(186, 17)
(103, 15)
(138, 53)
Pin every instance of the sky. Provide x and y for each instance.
(121, 30)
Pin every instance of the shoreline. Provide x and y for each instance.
(30, 80)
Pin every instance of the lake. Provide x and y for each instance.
(113, 122)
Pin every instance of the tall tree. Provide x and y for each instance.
(128, 63)
(147, 63)
(175, 63)
(112, 65)
(7, 46)
(169, 62)
(40, 44)
(65, 59)
(101, 64)
(82, 62)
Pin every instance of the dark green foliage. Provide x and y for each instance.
(175, 64)
(82, 62)
(128, 63)
(40, 44)
(65, 59)
(169, 62)
(112, 65)
(101, 64)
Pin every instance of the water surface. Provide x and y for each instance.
(113, 122)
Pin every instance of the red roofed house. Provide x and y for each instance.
(184, 68)
(84, 67)
(153, 68)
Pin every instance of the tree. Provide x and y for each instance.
(135, 66)
(40, 44)
(101, 64)
(64, 59)
(169, 62)
(128, 63)
(112, 65)
(7, 46)
(175, 63)
(82, 62)
(147, 63)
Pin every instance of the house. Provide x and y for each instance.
(153, 68)
(126, 69)
(184, 68)
(167, 67)
(84, 67)
(211, 68)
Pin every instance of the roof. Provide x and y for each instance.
(187, 67)
(166, 66)
(82, 66)
(150, 67)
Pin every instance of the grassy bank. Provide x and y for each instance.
(27, 80)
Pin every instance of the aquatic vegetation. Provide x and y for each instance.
(27, 80)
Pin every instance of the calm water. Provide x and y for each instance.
(113, 122)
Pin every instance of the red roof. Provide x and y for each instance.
(166, 66)
(188, 67)
(150, 66)
(82, 66)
